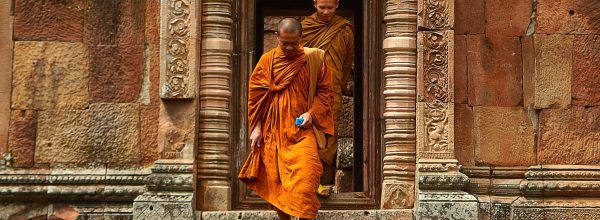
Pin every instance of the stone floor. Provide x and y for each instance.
(399, 214)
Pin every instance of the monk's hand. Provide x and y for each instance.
(307, 120)
(256, 138)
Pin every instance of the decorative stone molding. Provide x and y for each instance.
(71, 184)
(212, 154)
(178, 60)
(400, 96)
(436, 14)
(171, 192)
(561, 180)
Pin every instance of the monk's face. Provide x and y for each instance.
(289, 42)
(326, 9)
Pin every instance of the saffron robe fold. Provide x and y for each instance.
(336, 38)
(288, 165)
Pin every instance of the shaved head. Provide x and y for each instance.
(289, 25)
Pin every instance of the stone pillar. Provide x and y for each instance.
(212, 153)
(170, 192)
(440, 194)
(399, 113)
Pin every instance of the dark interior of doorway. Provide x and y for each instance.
(346, 8)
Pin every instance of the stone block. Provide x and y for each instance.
(48, 20)
(164, 205)
(567, 17)
(345, 153)
(50, 75)
(115, 22)
(570, 136)
(346, 126)
(116, 73)
(104, 133)
(503, 136)
(19, 211)
(460, 69)
(343, 181)
(585, 86)
(463, 134)
(21, 138)
(6, 45)
(175, 130)
(495, 71)
(397, 195)
(469, 16)
(149, 147)
(547, 71)
(507, 17)
(447, 206)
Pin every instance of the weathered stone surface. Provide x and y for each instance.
(6, 45)
(115, 22)
(345, 153)
(447, 205)
(343, 181)
(469, 17)
(585, 86)
(17, 211)
(507, 17)
(397, 195)
(570, 136)
(568, 17)
(152, 50)
(149, 133)
(494, 71)
(492, 127)
(460, 69)
(175, 130)
(463, 134)
(105, 133)
(50, 75)
(116, 73)
(547, 71)
(269, 42)
(346, 126)
(21, 139)
(49, 20)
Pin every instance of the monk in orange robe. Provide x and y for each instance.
(284, 167)
(334, 35)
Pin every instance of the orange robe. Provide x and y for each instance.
(289, 168)
(336, 38)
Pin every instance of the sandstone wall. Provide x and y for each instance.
(527, 80)
(84, 82)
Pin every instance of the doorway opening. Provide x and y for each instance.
(357, 164)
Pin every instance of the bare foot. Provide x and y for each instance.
(324, 191)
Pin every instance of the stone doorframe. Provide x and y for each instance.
(416, 88)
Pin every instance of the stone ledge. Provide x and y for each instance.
(399, 214)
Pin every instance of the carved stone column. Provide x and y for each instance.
(399, 113)
(440, 182)
(212, 153)
(170, 192)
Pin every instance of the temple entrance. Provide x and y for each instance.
(357, 168)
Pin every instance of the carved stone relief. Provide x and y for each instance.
(178, 34)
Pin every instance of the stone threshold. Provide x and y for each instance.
(392, 214)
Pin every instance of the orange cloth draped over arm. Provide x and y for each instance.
(288, 168)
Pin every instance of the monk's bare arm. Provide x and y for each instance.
(320, 110)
